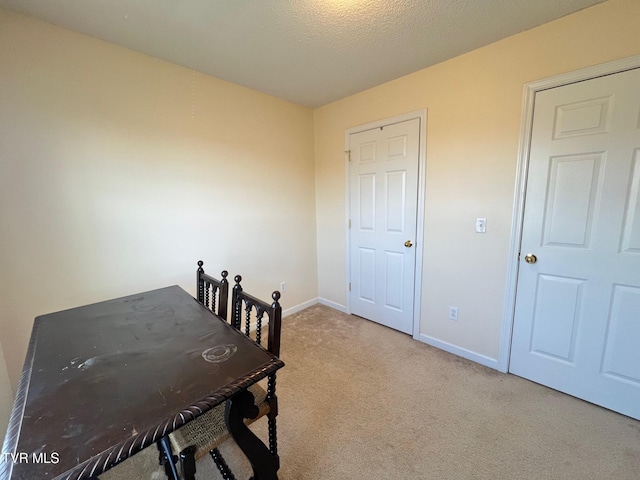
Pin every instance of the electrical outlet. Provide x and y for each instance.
(453, 313)
(283, 286)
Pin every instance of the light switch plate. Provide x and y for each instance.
(481, 225)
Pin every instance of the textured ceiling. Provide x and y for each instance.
(310, 52)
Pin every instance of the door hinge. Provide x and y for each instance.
(348, 152)
(349, 223)
(349, 286)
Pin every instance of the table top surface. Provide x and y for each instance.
(103, 381)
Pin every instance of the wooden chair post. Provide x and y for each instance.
(275, 325)
(200, 281)
(236, 304)
(224, 295)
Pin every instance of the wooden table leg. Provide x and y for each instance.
(188, 463)
(168, 459)
(237, 409)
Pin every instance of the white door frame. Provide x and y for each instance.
(530, 90)
(419, 242)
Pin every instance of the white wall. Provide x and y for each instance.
(119, 171)
(474, 107)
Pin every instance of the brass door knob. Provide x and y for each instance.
(530, 258)
(408, 244)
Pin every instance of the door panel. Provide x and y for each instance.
(367, 277)
(622, 355)
(574, 188)
(394, 277)
(631, 236)
(577, 315)
(383, 202)
(557, 306)
(367, 200)
(396, 208)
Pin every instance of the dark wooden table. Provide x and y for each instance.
(103, 381)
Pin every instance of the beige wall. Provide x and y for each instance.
(120, 171)
(474, 107)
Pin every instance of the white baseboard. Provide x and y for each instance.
(461, 352)
(297, 308)
(312, 302)
(334, 305)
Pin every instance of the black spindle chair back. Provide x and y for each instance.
(246, 307)
(213, 293)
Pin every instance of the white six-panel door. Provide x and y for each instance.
(383, 212)
(577, 315)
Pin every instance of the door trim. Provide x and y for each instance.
(530, 90)
(419, 243)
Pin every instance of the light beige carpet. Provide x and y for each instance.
(360, 401)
